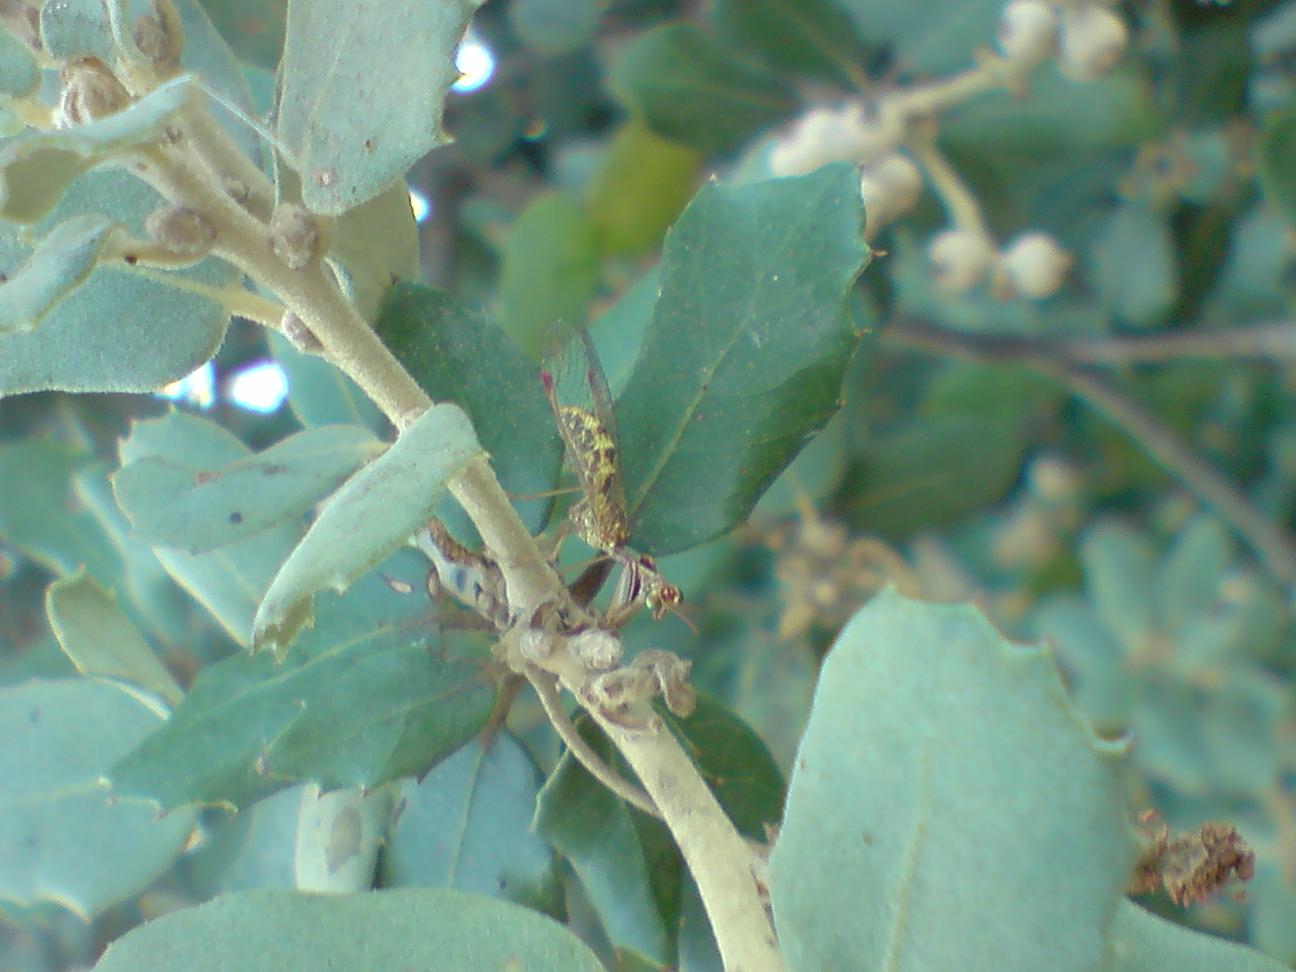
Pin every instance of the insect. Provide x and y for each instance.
(599, 517)
(472, 579)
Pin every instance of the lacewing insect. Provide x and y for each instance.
(599, 517)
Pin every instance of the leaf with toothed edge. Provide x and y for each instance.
(945, 797)
(743, 360)
(370, 694)
(351, 141)
(408, 928)
(373, 513)
(63, 836)
(175, 503)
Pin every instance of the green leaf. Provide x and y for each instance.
(253, 28)
(359, 702)
(689, 89)
(207, 55)
(95, 338)
(37, 166)
(1191, 573)
(946, 796)
(319, 394)
(228, 582)
(467, 825)
(173, 502)
(79, 27)
(695, 944)
(1274, 902)
(62, 838)
(640, 189)
(549, 271)
(1055, 120)
(19, 75)
(933, 470)
(1275, 159)
(591, 827)
(1134, 266)
(1143, 942)
(58, 265)
(735, 763)
(805, 37)
(1093, 659)
(37, 515)
(743, 360)
(76, 27)
(373, 245)
(101, 641)
(1118, 567)
(269, 931)
(555, 26)
(373, 513)
(338, 838)
(253, 848)
(939, 37)
(457, 355)
(350, 139)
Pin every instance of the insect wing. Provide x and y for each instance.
(581, 400)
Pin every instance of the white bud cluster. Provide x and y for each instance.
(1027, 31)
(890, 187)
(1093, 41)
(1089, 38)
(849, 133)
(1032, 266)
(960, 259)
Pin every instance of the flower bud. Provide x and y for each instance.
(304, 340)
(1027, 30)
(295, 236)
(1053, 479)
(890, 188)
(90, 91)
(1093, 41)
(824, 134)
(960, 259)
(183, 231)
(159, 36)
(1035, 265)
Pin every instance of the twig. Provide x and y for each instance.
(1263, 342)
(719, 859)
(1270, 543)
(546, 689)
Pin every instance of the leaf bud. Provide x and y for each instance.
(159, 36)
(89, 91)
(295, 235)
(960, 259)
(22, 20)
(183, 231)
(1093, 41)
(1035, 265)
(890, 188)
(1027, 30)
(303, 339)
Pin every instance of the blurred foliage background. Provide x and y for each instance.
(1107, 462)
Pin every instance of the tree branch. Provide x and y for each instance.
(189, 173)
(1270, 543)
